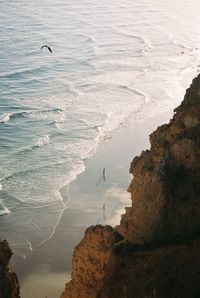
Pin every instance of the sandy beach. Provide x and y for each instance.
(94, 198)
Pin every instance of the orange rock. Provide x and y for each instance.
(164, 191)
(93, 262)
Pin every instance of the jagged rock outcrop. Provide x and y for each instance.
(86, 278)
(9, 286)
(165, 190)
(155, 251)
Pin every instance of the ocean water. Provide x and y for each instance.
(111, 60)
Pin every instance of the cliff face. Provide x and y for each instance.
(165, 190)
(155, 251)
(9, 286)
(93, 262)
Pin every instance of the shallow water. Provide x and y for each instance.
(111, 60)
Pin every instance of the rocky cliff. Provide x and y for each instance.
(155, 251)
(9, 286)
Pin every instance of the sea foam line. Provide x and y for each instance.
(144, 95)
(31, 248)
(145, 41)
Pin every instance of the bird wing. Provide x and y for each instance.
(49, 49)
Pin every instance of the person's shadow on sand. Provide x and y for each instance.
(102, 178)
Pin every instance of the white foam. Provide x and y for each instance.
(5, 118)
(60, 121)
(43, 141)
(3, 210)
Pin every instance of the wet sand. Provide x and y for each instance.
(97, 196)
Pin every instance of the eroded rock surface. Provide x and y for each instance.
(165, 190)
(93, 262)
(9, 286)
(155, 251)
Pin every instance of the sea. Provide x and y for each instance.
(110, 61)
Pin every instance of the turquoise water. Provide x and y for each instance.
(111, 60)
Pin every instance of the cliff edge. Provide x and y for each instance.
(9, 286)
(155, 251)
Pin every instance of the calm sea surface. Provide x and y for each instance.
(111, 60)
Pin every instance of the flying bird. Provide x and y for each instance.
(46, 46)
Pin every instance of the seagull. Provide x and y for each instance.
(46, 46)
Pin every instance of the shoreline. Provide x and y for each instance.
(92, 201)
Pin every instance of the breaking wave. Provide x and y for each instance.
(5, 118)
(3, 209)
